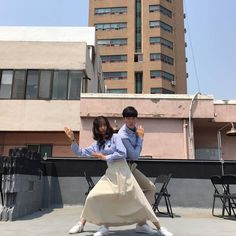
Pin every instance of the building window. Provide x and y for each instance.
(161, 74)
(118, 75)
(138, 26)
(59, 89)
(111, 10)
(45, 82)
(166, 91)
(6, 84)
(162, 57)
(40, 84)
(111, 26)
(74, 85)
(206, 153)
(19, 80)
(113, 58)
(116, 90)
(138, 57)
(43, 149)
(155, 90)
(159, 8)
(32, 84)
(138, 82)
(84, 85)
(112, 42)
(161, 91)
(162, 41)
(160, 24)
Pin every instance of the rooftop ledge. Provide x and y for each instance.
(225, 102)
(146, 96)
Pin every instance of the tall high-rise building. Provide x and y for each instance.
(141, 44)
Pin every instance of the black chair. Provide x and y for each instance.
(90, 182)
(229, 200)
(219, 192)
(161, 183)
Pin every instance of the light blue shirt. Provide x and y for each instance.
(113, 149)
(132, 142)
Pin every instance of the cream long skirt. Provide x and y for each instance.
(117, 199)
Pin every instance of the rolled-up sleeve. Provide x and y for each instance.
(82, 151)
(133, 152)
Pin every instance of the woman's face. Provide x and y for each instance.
(102, 128)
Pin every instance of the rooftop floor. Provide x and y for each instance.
(57, 221)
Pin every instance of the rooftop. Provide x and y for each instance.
(48, 34)
(58, 221)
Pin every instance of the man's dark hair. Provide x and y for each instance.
(130, 112)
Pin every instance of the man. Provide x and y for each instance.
(132, 138)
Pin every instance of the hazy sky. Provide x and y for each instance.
(211, 36)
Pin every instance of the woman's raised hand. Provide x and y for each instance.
(69, 133)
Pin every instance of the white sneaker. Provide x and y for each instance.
(102, 231)
(146, 229)
(78, 228)
(165, 232)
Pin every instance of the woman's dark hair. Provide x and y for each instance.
(98, 121)
(130, 112)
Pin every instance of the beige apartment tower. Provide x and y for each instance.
(142, 45)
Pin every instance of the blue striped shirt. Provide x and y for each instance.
(113, 149)
(132, 142)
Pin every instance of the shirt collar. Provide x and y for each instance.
(132, 131)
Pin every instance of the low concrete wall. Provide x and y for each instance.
(190, 185)
(184, 192)
(61, 182)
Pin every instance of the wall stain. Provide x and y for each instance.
(155, 100)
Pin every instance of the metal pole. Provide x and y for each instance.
(220, 155)
(191, 141)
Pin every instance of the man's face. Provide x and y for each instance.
(130, 122)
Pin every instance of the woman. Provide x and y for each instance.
(117, 198)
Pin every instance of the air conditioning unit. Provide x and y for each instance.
(173, 82)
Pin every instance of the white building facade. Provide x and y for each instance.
(43, 71)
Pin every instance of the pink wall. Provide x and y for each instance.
(206, 137)
(164, 138)
(164, 118)
(225, 112)
(148, 106)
